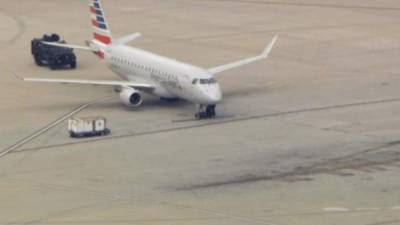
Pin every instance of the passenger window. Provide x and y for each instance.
(194, 81)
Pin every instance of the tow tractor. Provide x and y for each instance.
(53, 56)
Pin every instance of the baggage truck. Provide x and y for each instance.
(87, 127)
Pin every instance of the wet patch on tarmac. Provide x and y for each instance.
(368, 160)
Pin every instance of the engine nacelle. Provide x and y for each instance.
(131, 97)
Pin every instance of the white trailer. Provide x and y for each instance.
(87, 126)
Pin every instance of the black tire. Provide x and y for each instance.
(210, 111)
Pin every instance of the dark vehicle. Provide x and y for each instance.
(53, 56)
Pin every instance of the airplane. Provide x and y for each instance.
(146, 72)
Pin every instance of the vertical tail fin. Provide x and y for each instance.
(101, 30)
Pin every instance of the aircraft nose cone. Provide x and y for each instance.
(215, 95)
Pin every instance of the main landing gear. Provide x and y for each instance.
(206, 112)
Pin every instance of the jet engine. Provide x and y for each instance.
(131, 97)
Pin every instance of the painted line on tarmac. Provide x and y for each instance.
(49, 126)
(207, 123)
(345, 210)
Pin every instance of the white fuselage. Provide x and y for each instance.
(171, 79)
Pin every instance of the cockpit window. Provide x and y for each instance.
(204, 81)
(208, 81)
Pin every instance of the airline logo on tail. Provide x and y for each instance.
(101, 29)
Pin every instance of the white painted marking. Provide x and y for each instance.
(336, 209)
(367, 209)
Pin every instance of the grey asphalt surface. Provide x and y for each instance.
(309, 136)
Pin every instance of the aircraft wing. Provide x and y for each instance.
(92, 82)
(263, 55)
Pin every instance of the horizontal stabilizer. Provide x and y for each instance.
(67, 46)
(128, 38)
(243, 62)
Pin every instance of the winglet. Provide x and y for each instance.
(268, 49)
(263, 55)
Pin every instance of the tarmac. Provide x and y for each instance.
(309, 136)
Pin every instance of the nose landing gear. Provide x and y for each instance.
(206, 112)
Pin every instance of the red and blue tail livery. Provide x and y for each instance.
(101, 29)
